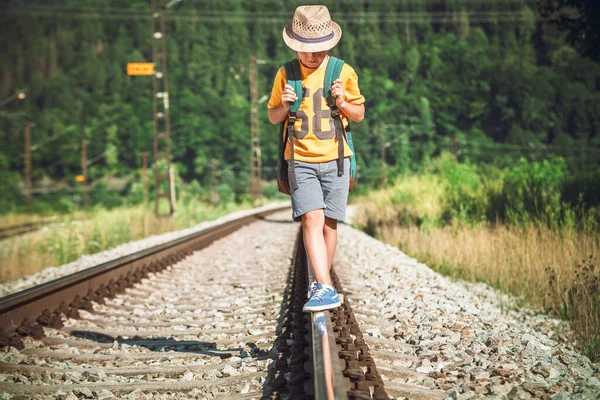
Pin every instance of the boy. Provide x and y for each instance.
(321, 195)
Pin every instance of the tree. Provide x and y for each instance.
(580, 18)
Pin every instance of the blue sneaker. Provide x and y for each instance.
(324, 298)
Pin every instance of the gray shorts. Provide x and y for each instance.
(319, 186)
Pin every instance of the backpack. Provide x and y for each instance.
(332, 72)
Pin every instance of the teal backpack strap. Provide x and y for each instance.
(334, 67)
(332, 72)
(294, 79)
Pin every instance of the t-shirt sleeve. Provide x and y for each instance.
(278, 85)
(351, 89)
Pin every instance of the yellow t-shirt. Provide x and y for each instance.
(315, 139)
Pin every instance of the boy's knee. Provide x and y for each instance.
(313, 219)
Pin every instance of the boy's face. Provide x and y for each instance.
(312, 60)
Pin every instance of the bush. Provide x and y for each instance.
(537, 192)
(10, 194)
(269, 190)
(135, 193)
(463, 198)
(226, 194)
(582, 188)
(194, 192)
(101, 195)
(533, 191)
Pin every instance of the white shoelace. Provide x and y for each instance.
(319, 293)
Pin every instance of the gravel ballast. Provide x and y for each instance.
(203, 328)
(455, 334)
(87, 261)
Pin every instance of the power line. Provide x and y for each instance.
(50, 139)
(101, 155)
(292, 4)
(469, 146)
(43, 143)
(396, 3)
(254, 14)
(277, 17)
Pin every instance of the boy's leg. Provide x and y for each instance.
(330, 235)
(320, 234)
(317, 249)
(335, 192)
(323, 296)
(308, 206)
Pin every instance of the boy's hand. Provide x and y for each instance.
(337, 91)
(288, 96)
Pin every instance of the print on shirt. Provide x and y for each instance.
(318, 115)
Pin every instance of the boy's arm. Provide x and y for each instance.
(282, 95)
(354, 112)
(278, 114)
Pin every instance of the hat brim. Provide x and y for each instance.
(297, 45)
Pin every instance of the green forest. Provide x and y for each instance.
(490, 81)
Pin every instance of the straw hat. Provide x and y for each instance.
(312, 30)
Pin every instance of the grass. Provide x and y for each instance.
(547, 267)
(12, 220)
(88, 233)
(514, 259)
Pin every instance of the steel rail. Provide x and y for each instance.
(339, 353)
(16, 230)
(19, 310)
(328, 378)
(329, 382)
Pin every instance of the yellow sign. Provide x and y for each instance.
(140, 68)
(80, 178)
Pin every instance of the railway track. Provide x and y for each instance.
(17, 230)
(218, 314)
(224, 321)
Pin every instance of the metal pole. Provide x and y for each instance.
(171, 180)
(145, 176)
(155, 15)
(28, 167)
(214, 196)
(454, 145)
(255, 159)
(407, 24)
(166, 110)
(84, 172)
(163, 171)
(382, 133)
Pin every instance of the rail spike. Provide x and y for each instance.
(10, 338)
(101, 293)
(51, 319)
(30, 328)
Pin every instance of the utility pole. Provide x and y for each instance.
(454, 145)
(145, 176)
(214, 196)
(84, 172)
(255, 160)
(163, 174)
(382, 133)
(407, 24)
(28, 167)
(172, 179)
